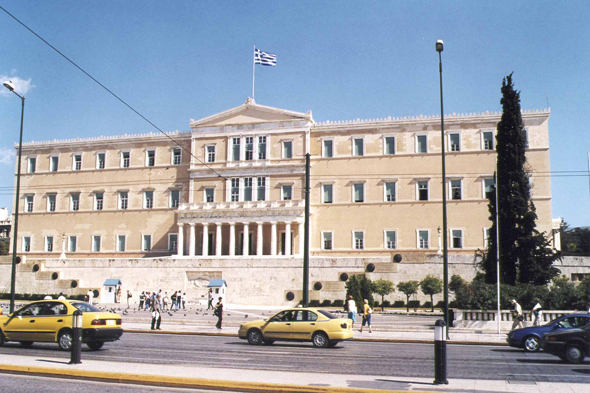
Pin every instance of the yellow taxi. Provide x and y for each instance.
(51, 321)
(298, 324)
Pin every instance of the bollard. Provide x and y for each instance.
(440, 353)
(76, 355)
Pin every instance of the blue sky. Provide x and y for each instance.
(173, 61)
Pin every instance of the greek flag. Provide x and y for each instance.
(266, 59)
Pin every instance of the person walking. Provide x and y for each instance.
(148, 300)
(90, 295)
(517, 315)
(165, 301)
(129, 296)
(178, 300)
(366, 316)
(537, 313)
(141, 300)
(156, 313)
(351, 307)
(184, 300)
(173, 300)
(210, 299)
(219, 312)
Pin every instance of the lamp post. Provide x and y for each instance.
(10, 86)
(439, 49)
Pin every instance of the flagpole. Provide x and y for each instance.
(253, 73)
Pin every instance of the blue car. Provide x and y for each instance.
(530, 338)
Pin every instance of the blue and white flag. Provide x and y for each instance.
(264, 58)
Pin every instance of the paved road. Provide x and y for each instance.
(387, 359)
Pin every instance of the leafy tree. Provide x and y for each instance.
(583, 294)
(367, 289)
(575, 241)
(562, 295)
(383, 288)
(4, 246)
(431, 286)
(456, 283)
(409, 288)
(353, 287)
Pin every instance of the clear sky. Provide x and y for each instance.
(177, 60)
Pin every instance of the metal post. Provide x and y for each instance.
(440, 353)
(498, 247)
(76, 355)
(306, 240)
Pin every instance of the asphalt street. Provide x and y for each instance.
(354, 358)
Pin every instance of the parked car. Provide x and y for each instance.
(299, 324)
(51, 321)
(571, 346)
(529, 338)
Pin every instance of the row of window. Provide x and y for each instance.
(101, 159)
(120, 240)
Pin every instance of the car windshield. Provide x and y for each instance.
(85, 307)
(327, 314)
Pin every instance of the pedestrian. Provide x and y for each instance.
(537, 312)
(219, 312)
(141, 300)
(210, 299)
(173, 299)
(366, 316)
(61, 296)
(184, 300)
(517, 315)
(90, 295)
(351, 306)
(148, 299)
(165, 300)
(129, 296)
(178, 300)
(156, 312)
(118, 296)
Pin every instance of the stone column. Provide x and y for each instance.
(259, 238)
(246, 245)
(288, 238)
(301, 238)
(218, 239)
(192, 240)
(180, 240)
(273, 238)
(205, 238)
(232, 239)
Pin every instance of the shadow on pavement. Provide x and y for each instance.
(51, 361)
(542, 361)
(581, 370)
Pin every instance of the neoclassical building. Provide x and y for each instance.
(234, 186)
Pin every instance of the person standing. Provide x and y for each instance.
(90, 295)
(61, 296)
(118, 296)
(148, 300)
(517, 315)
(537, 313)
(219, 312)
(184, 300)
(141, 300)
(366, 316)
(129, 296)
(173, 300)
(210, 299)
(351, 307)
(156, 313)
(178, 300)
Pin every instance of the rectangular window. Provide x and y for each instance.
(176, 156)
(249, 148)
(488, 140)
(51, 202)
(359, 147)
(49, 243)
(359, 240)
(421, 143)
(486, 237)
(210, 153)
(96, 243)
(174, 198)
(261, 188)
(26, 243)
(327, 193)
(121, 240)
(72, 243)
(262, 147)
(98, 201)
(423, 239)
(235, 189)
(32, 165)
(209, 195)
(101, 160)
(235, 149)
(389, 145)
(390, 240)
(390, 192)
(29, 203)
(147, 243)
(288, 149)
(423, 190)
(456, 238)
(359, 192)
(75, 202)
(172, 242)
(327, 240)
(151, 158)
(456, 193)
(247, 188)
(77, 162)
(489, 188)
(328, 146)
(54, 164)
(125, 159)
(149, 200)
(123, 200)
(287, 193)
(454, 142)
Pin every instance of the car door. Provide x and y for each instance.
(304, 325)
(279, 326)
(52, 318)
(22, 325)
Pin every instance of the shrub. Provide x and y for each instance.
(399, 303)
(338, 303)
(428, 305)
(386, 303)
(314, 303)
(440, 304)
(376, 303)
(326, 303)
(414, 303)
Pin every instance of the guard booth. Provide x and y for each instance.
(219, 288)
(110, 288)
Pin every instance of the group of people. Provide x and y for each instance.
(518, 316)
(174, 302)
(367, 312)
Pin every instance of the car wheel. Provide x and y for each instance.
(332, 344)
(65, 340)
(269, 342)
(320, 340)
(26, 344)
(574, 354)
(95, 345)
(531, 344)
(255, 337)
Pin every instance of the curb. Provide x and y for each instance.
(179, 382)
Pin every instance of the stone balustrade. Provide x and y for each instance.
(486, 319)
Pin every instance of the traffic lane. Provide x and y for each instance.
(353, 357)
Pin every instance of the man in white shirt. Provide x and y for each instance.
(537, 312)
(517, 315)
(90, 295)
(351, 307)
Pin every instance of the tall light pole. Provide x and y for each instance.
(439, 49)
(10, 86)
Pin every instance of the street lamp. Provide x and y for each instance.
(10, 86)
(439, 49)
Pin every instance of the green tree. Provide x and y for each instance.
(431, 286)
(456, 283)
(4, 246)
(353, 288)
(409, 288)
(583, 294)
(575, 241)
(562, 295)
(383, 288)
(367, 289)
